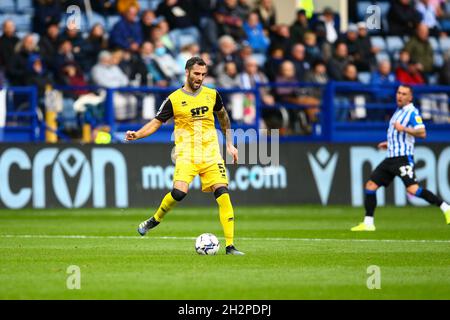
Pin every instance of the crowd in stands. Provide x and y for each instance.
(242, 41)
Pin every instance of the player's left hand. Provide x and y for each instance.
(233, 152)
(398, 127)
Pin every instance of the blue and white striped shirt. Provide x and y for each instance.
(401, 143)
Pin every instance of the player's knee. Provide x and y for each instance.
(220, 191)
(414, 190)
(370, 185)
(177, 194)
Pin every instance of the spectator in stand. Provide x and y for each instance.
(124, 5)
(64, 56)
(420, 50)
(104, 7)
(161, 33)
(228, 77)
(299, 27)
(301, 66)
(17, 69)
(245, 7)
(402, 61)
(72, 33)
(36, 74)
(317, 74)
(365, 57)
(8, 42)
(255, 35)
(207, 24)
(155, 76)
(127, 32)
(381, 77)
(351, 40)
(46, 12)
(308, 106)
(338, 62)
(248, 80)
(167, 64)
(267, 15)
(444, 72)
(227, 52)
(273, 62)
(130, 65)
(95, 42)
(411, 75)
(148, 22)
(182, 20)
(312, 51)
(230, 19)
(326, 31)
(403, 17)
(108, 74)
(49, 43)
(428, 12)
(281, 37)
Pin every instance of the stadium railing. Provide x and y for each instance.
(349, 112)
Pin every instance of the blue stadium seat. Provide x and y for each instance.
(378, 42)
(95, 18)
(111, 21)
(25, 6)
(145, 5)
(438, 59)
(384, 6)
(7, 6)
(394, 44)
(382, 55)
(23, 22)
(361, 9)
(364, 77)
(444, 43)
(435, 44)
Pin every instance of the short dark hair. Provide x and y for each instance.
(408, 87)
(193, 61)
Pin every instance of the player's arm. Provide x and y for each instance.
(225, 126)
(415, 126)
(383, 145)
(164, 113)
(148, 129)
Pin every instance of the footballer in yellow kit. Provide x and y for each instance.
(197, 151)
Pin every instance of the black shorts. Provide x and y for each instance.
(387, 170)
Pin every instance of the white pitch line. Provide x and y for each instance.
(43, 236)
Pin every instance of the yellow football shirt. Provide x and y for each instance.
(195, 133)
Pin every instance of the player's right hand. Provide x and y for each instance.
(130, 135)
(382, 145)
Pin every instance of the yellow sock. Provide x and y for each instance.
(167, 204)
(226, 217)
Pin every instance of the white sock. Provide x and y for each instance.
(368, 221)
(445, 206)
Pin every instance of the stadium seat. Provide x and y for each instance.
(145, 5)
(7, 6)
(95, 18)
(384, 6)
(382, 55)
(435, 44)
(111, 21)
(364, 77)
(438, 59)
(22, 21)
(394, 44)
(378, 42)
(361, 9)
(25, 6)
(444, 43)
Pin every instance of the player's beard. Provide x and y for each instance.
(194, 86)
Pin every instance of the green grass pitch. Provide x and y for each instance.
(293, 252)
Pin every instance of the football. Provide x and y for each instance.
(207, 244)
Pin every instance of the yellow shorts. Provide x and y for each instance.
(210, 173)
